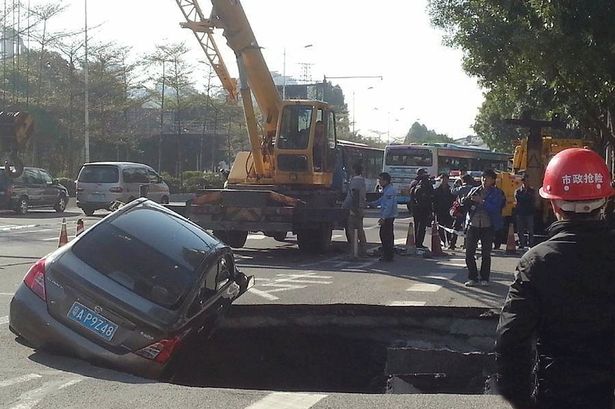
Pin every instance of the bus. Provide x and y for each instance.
(403, 161)
(369, 157)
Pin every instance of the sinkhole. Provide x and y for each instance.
(345, 348)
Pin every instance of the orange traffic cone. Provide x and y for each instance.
(511, 247)
(410, 242)
(80, 227)
(63, 234)
(436, 247)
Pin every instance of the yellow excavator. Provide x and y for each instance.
(15, 130)
(291, 179)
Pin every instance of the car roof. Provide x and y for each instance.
(116, 164)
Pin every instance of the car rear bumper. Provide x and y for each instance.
(30, 319)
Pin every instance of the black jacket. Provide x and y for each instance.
(563, 296)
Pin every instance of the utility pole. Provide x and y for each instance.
(87, 91)
(161, 119)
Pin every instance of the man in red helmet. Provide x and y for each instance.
(560, 309)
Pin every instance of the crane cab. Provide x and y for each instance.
(305, 144)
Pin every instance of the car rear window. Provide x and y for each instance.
(99, 174)
(148, 251)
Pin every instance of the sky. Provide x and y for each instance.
(422, 80)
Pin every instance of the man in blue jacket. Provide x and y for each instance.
(388, 212)
(484, 204)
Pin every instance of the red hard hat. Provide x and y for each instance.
(576, 174)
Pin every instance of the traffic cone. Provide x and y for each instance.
(63, 234)
(436, 247)
(410, 242)
(80, 227)
(511, 247)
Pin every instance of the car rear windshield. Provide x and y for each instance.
(99, 174)
(148, 251)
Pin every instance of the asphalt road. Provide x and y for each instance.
(284, 275)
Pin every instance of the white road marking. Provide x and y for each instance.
(288, 282)
(441, 276)
(287, 400)
(8, 294)
(17, 227)
(58, 238)
(4, 320)
(70, 383)
(425, 287)
(256, 236)
(30, 399)
(337, 236)
(400, 241)
(449, 264)
(33, 231)
(19, 379)
(407, 303)
(263, 294)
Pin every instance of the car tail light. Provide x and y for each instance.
(161, 351)
(35, 279)
(116, 189)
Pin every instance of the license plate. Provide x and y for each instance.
(92, 321)
(97, 197)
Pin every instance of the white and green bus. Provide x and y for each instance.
(403, 161)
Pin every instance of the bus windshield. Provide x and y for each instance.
(409, 157)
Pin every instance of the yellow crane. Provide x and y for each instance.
(286, 181)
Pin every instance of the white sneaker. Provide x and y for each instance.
(472, 283)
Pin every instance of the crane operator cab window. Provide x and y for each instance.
(295, 127)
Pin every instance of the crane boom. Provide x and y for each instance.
(196, 21)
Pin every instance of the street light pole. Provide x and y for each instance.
(284, 71)
(87, 91)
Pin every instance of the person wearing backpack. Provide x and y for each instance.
(484, 218)
(421, 204)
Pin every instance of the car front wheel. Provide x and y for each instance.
(60, 206)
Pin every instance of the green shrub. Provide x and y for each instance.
(172, 182)
(207, 180)
(69, 184)
(189, 174)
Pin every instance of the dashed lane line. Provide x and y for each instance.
(19, 379)
(287, 400)
(17, 227)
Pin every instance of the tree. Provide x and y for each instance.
(538, 58)
(419, 133)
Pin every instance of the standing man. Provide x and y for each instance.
(355, 202)
(388, 212)
(459, 192)
(562, 300)
(421, 204)
(525, 198)
(443, 200)
(484, 217)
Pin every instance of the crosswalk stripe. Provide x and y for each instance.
(407, 303)
(19, 379)
(287, 400)
(425, 287)
(30, 399)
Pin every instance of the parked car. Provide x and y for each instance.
(35, 188)
(129, 291)
(99, 184)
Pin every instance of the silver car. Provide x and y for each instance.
(101, 183)
(128, 292)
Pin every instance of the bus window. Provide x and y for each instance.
(409, 157)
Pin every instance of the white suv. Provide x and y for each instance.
(101, 183)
